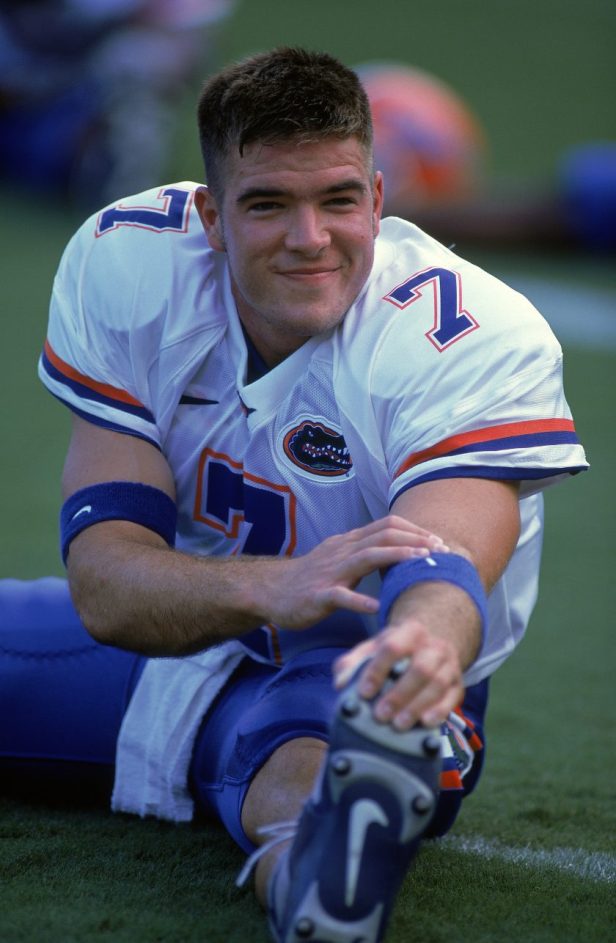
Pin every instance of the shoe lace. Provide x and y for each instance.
(453, 732)
(278, 832)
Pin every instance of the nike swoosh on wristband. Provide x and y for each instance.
(86, 509)
(364, 813)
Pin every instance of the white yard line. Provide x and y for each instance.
(589, 865)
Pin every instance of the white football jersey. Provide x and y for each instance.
(438, 370)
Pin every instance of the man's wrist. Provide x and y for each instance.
(438, 567)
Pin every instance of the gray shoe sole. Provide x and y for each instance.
(359, 832)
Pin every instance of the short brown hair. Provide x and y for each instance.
(288, 93)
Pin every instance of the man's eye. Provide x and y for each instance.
(264, 206)
(342, 201)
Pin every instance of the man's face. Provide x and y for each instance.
(298, 223)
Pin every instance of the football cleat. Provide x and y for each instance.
(360, 830)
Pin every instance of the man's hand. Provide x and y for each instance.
(435, 625)
(306, 589)
(428, 687)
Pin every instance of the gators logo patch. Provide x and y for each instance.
(316, 448)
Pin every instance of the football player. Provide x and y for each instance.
(307, 455)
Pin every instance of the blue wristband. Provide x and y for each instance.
(118, 500)
(448, 567)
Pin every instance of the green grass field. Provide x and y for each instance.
(533, 857)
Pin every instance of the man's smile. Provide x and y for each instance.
(309, 274)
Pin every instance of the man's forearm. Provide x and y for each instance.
(157, 601)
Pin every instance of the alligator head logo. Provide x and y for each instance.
(318, 449)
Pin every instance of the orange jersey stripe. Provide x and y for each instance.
(277, 653)
(113, 392)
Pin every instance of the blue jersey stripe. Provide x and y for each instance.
(106, 424)
(495, 472)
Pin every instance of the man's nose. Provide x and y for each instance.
(307, 232)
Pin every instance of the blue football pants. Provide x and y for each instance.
(63, 697)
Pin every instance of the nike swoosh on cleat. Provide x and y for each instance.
(364, 813)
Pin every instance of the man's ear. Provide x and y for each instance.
(211, 220)
(378, 202)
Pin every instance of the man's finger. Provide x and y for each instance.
(346, 666)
